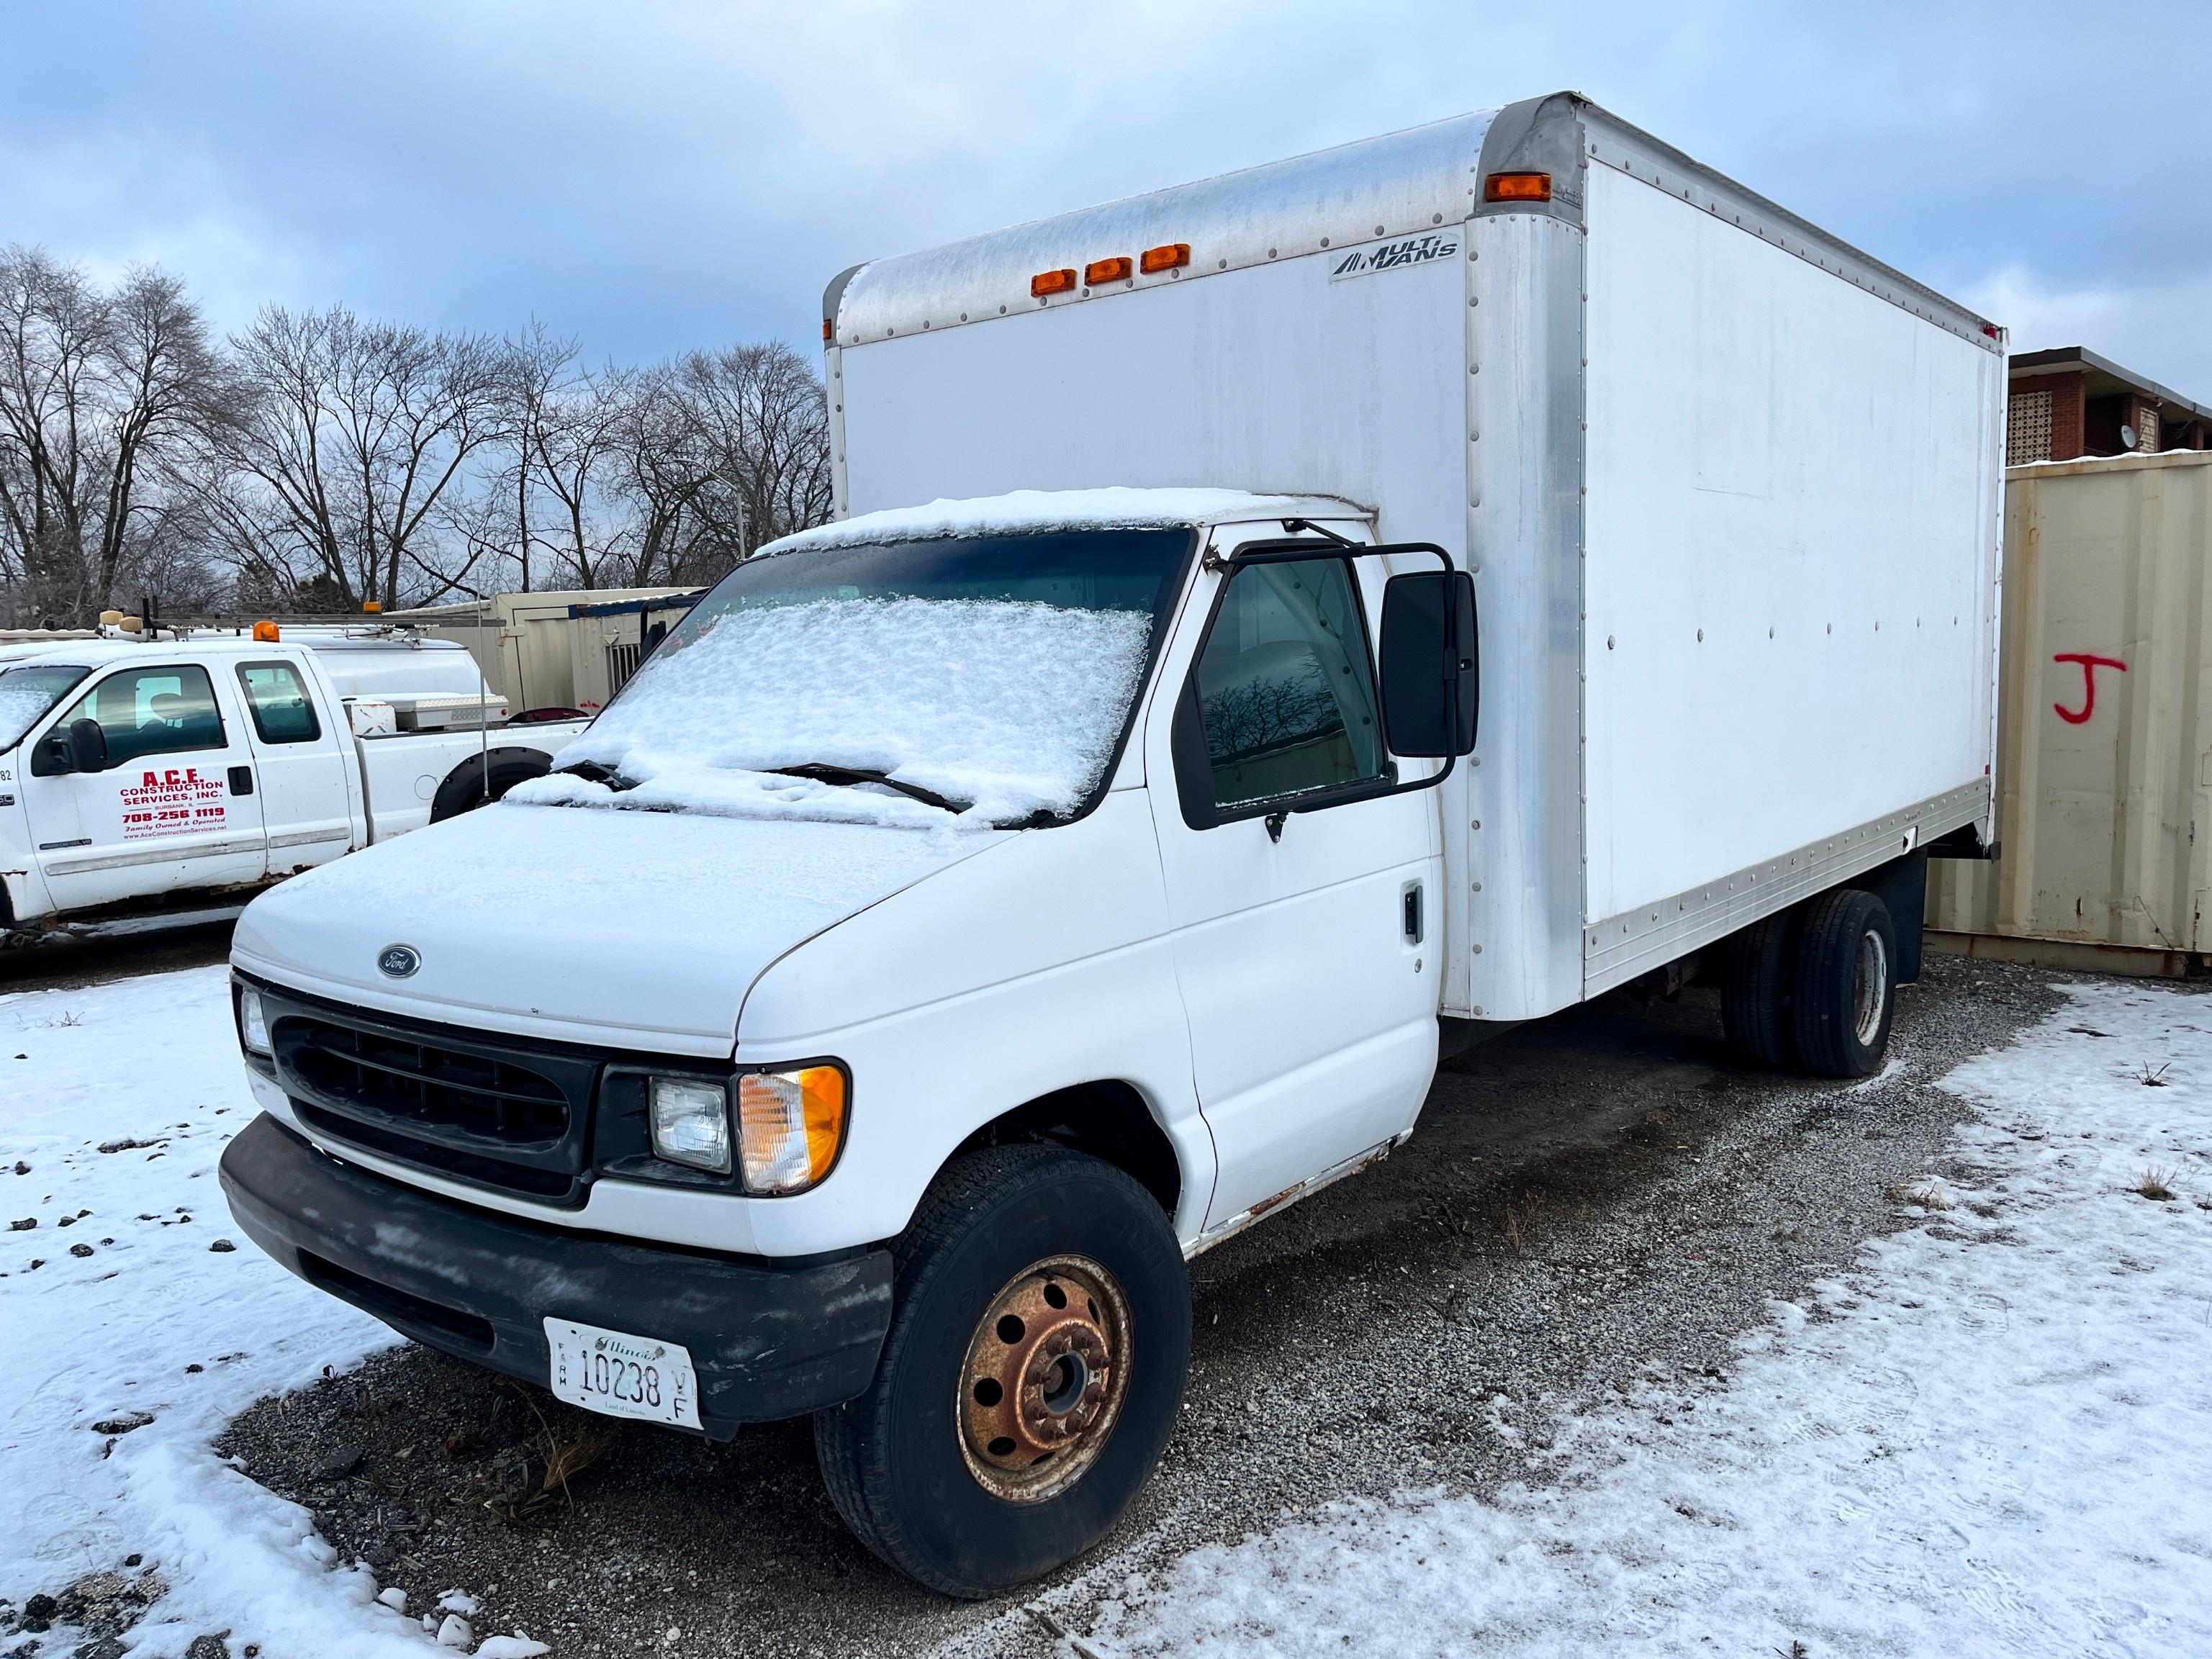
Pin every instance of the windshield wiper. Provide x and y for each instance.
(592, 772)
(821, 772)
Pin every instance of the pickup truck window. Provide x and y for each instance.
(990, 678)
(27, 691)
(1286, 685)
(278, 702)
(153, 711)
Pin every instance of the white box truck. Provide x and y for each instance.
(1088, 842)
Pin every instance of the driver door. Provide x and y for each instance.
(1300, 917)
(174, 807)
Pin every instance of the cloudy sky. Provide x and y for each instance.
(656, 173)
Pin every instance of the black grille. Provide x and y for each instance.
(496, 1112)
(410, 1081)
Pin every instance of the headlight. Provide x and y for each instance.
(691, 1122)
(790, 1125)
(252, 1023)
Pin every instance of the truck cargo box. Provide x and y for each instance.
(1729, 488)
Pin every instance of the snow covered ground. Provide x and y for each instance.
(136, 1329)
(1992, 1436)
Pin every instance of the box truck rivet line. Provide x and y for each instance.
(1094, 817)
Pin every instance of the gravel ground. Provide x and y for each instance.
(1591, 1199)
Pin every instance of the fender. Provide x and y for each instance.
(465, 786)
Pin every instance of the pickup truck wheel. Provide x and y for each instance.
(1755, 992)
(1030, 1379)
(1846, 984)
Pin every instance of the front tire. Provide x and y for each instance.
(1846, 984)
(1039, 1340)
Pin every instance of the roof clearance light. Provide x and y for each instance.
(1518, 187)
(1099, 272)
(265, 633)
(1167, 256)
(1052, 282)
(371, 606)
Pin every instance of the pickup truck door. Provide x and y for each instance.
(1301, 941)
(174, 806)
(301, 761)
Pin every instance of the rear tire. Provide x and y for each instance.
(1755, 992)
(1845, 990)
(1060, 1275)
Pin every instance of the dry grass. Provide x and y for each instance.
(2157, 1185)
(2155, 1079)
(1930, 1197)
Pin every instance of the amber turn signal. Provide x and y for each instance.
(1052, 282)
(1518, 187)
(1101, 272)
(1166, 257)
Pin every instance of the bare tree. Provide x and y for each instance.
(764, 423)
(356, 436)
(99, 393)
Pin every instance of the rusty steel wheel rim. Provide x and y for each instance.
(1046, 1372)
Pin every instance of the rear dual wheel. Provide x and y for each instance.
(1035, 1366)
(1816, 987)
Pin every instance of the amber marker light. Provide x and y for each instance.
(790, 1127)
(1518, 187)
(1046, 283)
(1099, 272)
(828, 330)
(1167, 256)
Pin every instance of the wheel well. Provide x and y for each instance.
(464, 787)
(1107, 1120)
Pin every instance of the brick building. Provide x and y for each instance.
(2068, 403)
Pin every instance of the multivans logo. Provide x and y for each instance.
(397, 961)
(1422, 250)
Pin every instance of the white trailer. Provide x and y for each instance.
(1089, 841)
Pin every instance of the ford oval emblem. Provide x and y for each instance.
(397, 961)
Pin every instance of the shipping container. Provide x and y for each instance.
(2104, 764)
(567, 649)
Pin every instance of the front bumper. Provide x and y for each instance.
(769, 1342)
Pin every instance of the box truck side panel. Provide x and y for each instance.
(1275, 379)
(1790, 561)
(1512, 818)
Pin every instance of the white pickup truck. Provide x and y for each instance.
(150, 781)
(1084, 850)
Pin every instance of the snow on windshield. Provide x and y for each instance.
(27, 691)
(1006, 709)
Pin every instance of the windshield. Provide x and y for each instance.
(27, 691)
(984, 681)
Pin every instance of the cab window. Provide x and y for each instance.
(278, 702)
(1286, 685)
(152, 711)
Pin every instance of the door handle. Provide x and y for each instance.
(1411, 923)
(241, 780)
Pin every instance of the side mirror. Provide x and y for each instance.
(1432, 683)
(88, 746)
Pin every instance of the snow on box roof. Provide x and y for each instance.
(1400, 184)
(1116, 508)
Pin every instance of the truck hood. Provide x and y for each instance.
(640, 930)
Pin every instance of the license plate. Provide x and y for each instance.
(623, 1375)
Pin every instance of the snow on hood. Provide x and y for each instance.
(1119, 508)
(1008, 708)
(636, 929)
